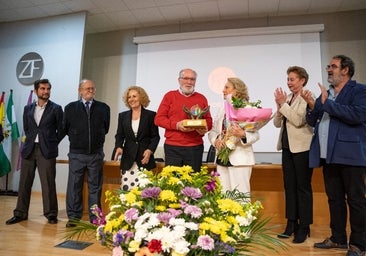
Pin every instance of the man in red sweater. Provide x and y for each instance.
(183, 146)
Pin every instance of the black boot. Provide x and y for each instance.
(302, 233)
(290, 229)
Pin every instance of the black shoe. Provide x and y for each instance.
(71, 224)
(290, 229)
(14, 220)
(52, 220)
(329, 244)
(355, 251)
(301, 234)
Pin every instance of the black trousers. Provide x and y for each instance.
(179, 156)
(47, 176)
(297, 182)
(345, 184)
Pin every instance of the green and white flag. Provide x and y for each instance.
(10, 116)
(5, 167)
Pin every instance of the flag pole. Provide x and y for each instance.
(7, 192)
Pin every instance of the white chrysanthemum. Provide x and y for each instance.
(243, 221)
(122, 197)
(140, 234)
(191, 226)
(158, 233)
(179, 231)
(153, 220)
(181, 246)
(177, 222)
(143, 180)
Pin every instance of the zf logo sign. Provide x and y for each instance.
(30, 68)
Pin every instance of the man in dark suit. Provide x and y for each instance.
(42, 123)
(339, 145)
(86, 122)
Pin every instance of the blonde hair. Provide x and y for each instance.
(144, 98)
(240, 87)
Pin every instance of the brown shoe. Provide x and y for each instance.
(329, 244)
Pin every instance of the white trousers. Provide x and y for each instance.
(235, 177)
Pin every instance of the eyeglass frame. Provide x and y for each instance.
(332, 67)
(188, 78)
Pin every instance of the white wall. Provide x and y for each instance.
(59, 41)
(340, 36)
(260, 57)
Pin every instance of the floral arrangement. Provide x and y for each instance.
(180, 212)
(248, 115)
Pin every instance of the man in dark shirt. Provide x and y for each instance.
(86, 122)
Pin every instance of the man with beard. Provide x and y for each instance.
(183, 146)
(42, 123)
(339, 145)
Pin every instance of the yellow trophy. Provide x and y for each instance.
(195, 113)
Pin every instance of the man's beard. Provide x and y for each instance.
(187, 91)
(334, 80)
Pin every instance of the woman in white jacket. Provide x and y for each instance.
(236, 173)
(294, 141)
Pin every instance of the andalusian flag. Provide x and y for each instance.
(5, 167)
(10, 115)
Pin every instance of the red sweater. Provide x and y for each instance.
(170, 112)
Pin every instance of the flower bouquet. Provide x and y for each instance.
(180, 212)
(248, 115)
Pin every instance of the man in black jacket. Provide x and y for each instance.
(42, 122)
(86, 122)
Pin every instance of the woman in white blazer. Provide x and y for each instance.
(236, 173)
(294, 141)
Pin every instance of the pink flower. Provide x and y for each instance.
(117, 251)
(131, 215)
(193, 210)
(206, 242)
(193, 193)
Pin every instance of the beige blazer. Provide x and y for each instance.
(243, 153)
(299, 132)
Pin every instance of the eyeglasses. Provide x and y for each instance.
(90, 89)
(332, 67)
(188, 78)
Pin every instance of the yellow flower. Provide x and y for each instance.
(167, 195)
(173, 180)
(112, 225)
(133, 246)
(229, 205)
(175, 206)
(174, 253)
(160, 208)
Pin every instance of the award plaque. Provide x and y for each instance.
(195, 113)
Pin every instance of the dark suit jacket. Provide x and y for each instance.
(86, 133)
(134, 146)
(49, 130)
(347, 127)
